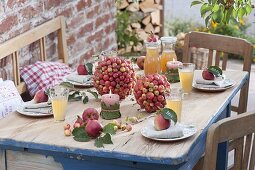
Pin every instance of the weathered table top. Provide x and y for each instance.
(199, 109)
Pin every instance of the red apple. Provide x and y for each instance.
(90, 114)
(79, 122)
(93, 128)
(207, 75)
(140, 62)
(40, 97)
(81, 70)
(160, 123)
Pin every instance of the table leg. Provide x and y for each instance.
(222, 154)
(2, 160)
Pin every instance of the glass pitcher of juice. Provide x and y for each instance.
(168, 53)
(152, 59)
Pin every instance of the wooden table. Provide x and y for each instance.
(40, 143)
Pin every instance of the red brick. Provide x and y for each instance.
(31, 11)
(97, 36)
(102, 19)
(8, 23)
(95, 11)
(85, 29)
(70, 40)
(82, 4)
(12, 3)
(65, 12)
(52, 3)
(86, 56)
(109, 28)
(76, 21)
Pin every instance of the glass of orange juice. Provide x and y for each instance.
(174, 101)
(168, 53)
(152, 59)
(186, 74)
(59, 98)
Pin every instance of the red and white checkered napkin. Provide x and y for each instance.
(43, 75)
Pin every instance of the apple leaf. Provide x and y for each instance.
(215, 70)
(80, 135)
(99, 142)
(95, 94)
(78, 131)
(74, 96)
(107, 139)
(109, 128)
(169, 114)
(85, 99)
(89, 67)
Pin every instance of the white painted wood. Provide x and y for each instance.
(23, 160)
(198, 109)
(2, 159)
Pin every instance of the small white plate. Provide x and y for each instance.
(188, 131)
(80, 85)
(213, 88)
(32, 114)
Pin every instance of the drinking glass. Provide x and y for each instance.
(59, 98)
(174, 101)
(186, 74)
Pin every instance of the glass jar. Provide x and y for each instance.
(168, 51)
(152, 59)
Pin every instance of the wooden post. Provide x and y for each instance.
(62, 46)
(2, 160)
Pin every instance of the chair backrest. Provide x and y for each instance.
(239, 127)
(222, 45)
(12, 46)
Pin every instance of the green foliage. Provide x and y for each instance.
(223, 11)
(125, 37)
(175, 27)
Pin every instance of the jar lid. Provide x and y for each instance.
(168, 39)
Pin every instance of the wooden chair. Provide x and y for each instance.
(223, 45)
(12, 46)
(240, 127)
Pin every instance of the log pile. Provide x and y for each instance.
(148, 16)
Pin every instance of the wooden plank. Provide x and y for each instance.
(43, 56)
(217, 58)
(126, 145)
(210, 58)
(29, 37)
(62, 46)
(23, 160)
(2, 160)
(224, 61)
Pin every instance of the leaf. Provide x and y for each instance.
(215, 70)
(215, 8)
(95, 94)
(75, 96)
(85, 99)
(241, 13)
(248, 9)
(169, 114)
(109, 128)
(89, 68)
(195, 3)
(99, 142)
(107, 139)
(80, 135)
(78, 131)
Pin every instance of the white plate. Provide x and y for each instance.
(32, 114)
(213, 88)
(76, 84)
(188, 131)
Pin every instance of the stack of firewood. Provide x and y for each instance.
(149, 14)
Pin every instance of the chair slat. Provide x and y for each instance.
(217, 58)
(210, 58)
(224, 61)
(246, 153)
(42, 49)
(252, 157)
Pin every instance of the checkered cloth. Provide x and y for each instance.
(43, 75)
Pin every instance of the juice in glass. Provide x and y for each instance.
(59, 98)
(176, 106)
(186, 73)
(168, 53)
(59, 106)
(152, 62)
(174, 101)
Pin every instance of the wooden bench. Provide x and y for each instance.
(13, 46)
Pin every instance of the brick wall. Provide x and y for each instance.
(90, 27)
